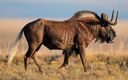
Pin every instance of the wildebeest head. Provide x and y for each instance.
(101, 26)
(106, 32)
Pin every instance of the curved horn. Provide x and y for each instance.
(112, 16)
(115, 20)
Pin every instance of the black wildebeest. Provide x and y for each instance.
(74, 34)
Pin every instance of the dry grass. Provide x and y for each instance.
(103, 67)
(107, 61)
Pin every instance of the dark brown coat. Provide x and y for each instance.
(70, 35)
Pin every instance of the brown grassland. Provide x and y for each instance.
(107, 61)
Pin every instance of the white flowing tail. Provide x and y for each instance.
(13, 48)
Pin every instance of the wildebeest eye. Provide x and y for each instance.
(104, 24)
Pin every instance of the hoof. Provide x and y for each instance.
(63, 65)
(85, 70)
(40, 70)
(61, 69)
(88, 67)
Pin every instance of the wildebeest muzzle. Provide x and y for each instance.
(110, 36)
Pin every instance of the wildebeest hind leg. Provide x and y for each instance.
(36, 62)
(37, 49)
(29, 53)
(35, 59)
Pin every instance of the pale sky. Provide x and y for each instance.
(59, 8)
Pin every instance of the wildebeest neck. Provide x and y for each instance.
(93, 28)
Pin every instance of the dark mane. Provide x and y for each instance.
(84, 14)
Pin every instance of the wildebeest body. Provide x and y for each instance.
(74, 34)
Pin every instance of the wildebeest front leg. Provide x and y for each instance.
(82, 56)
(67, 54)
